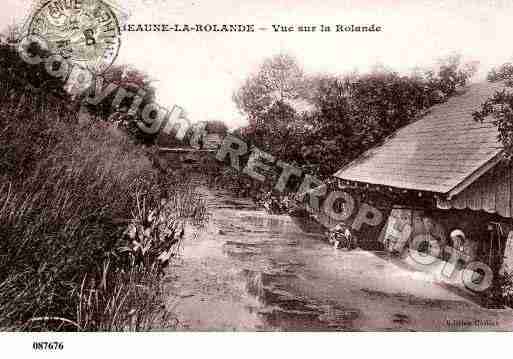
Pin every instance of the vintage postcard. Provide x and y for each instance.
(256, 166)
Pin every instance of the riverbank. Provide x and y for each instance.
(88, 222)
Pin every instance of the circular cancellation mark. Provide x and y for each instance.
(84, 31)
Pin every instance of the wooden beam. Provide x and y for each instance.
(475, 175)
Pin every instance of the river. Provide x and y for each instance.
(251, 271)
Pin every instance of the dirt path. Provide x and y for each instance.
(253, 271)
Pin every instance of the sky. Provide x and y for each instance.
(200, 71)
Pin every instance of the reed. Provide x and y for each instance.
(70, 197)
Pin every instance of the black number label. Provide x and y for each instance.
(47, 345)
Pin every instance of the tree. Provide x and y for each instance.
(453, 73)
(272, 131)
(350, 113)
(500, 109)
(132, 81)
(279, 78)
(500, 106)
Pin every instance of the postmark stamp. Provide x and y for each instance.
(86, 32)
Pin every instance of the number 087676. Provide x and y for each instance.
(47, 345)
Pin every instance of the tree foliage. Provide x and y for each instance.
(279, 78)
(348, 114)
(499, 108)
(134, 82)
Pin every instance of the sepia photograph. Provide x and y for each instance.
(183, 167)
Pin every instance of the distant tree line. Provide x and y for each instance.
(321, 122)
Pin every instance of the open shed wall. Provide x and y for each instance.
(491, 193)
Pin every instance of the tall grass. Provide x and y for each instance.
(70, 197)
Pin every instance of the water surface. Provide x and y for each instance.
(249, 270)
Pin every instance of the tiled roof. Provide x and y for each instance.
(436, 153)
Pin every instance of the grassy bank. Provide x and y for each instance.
(87, 225)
